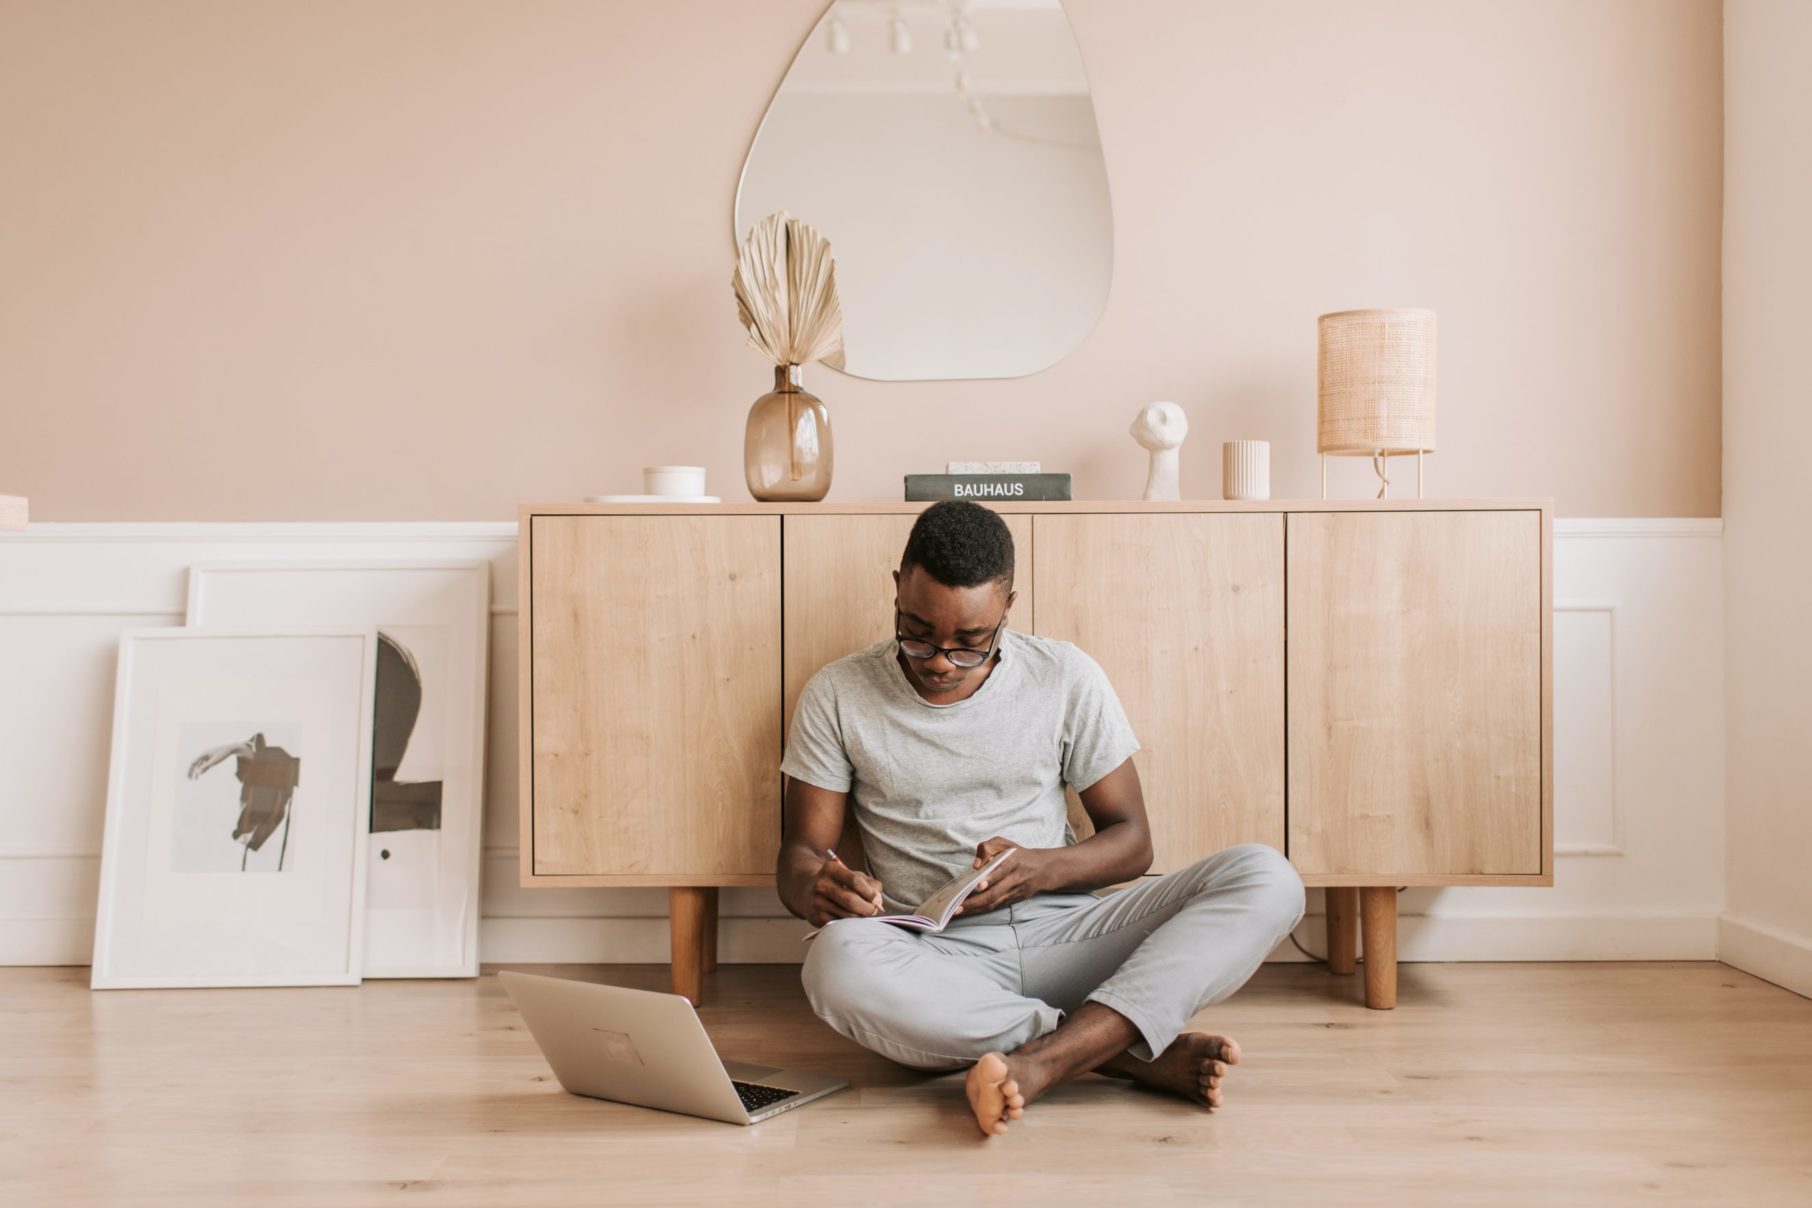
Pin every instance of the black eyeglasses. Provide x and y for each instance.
(959, 656)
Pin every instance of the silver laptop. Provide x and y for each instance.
(636, 1046)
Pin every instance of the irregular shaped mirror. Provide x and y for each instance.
(948, 151)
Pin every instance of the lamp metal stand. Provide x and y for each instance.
(1380, 462)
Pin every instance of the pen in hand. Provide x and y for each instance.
(830, 853)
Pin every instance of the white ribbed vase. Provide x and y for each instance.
(1246, 469)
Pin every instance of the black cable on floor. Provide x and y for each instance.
(1322, 960)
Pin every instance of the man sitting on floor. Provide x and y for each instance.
(955, 738)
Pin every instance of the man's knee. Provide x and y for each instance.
(840, 970)
(854, 988)
(879, 997)
(1268, 877)
(1285, 897)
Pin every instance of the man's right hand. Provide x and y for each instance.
(840, 892)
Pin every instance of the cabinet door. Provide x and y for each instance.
(655, 696)
(1185, 614)
(1415, 693)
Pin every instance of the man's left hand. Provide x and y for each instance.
(1023, 875)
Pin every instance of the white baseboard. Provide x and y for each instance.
(46, 941)
(633, 941)
(1605, 937)
(1571, 937)
(764, 940)
(1768, 952)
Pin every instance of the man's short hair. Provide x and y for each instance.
(960, 544)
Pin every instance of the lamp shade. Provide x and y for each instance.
(1376, 379)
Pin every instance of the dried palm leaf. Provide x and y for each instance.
(786, 293)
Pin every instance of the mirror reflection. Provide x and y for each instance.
(948, 151)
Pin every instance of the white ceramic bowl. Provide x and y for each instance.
(673, 480)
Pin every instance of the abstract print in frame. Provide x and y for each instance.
(234, 847)
(426, 840)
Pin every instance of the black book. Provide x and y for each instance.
(987, 488)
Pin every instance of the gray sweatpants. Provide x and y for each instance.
(1157, 953)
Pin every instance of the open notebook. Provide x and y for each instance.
(936, 911)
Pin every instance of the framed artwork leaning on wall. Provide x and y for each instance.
(432, 619)
(240, 779)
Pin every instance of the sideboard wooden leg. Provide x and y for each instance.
(1343, 927)
(708, 927)
(686, 914)
(1378, 910)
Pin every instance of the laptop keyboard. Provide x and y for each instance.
(754, 1097)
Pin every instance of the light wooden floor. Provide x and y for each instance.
(1514, 1084)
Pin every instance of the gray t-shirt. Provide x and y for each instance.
(929, 782)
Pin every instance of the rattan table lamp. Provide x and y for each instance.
(1376, 378)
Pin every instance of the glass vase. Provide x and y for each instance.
(786, 448)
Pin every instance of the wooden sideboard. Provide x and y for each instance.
(1366, 686)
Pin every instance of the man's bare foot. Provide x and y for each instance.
(993, 1094)
(1192, 1067)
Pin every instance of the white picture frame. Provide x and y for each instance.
(292, 708)
(423, 881)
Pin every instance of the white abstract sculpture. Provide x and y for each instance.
(1161, 428)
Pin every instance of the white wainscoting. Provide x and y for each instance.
(1639, 776)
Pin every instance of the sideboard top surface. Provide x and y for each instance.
(1072, 506)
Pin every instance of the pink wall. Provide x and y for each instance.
(425, 259)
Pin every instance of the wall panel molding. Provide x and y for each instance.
(1658, 580)
(342, 533)
(1600, 731)
(1625, 527)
